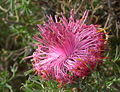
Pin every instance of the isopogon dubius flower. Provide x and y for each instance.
(68, 48)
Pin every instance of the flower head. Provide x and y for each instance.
(68, 48)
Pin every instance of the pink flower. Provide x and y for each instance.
(67, 48)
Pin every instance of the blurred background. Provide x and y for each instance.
(18, 19)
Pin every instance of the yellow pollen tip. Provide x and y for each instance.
(79, 59)
(91, 50)
(101, 30)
